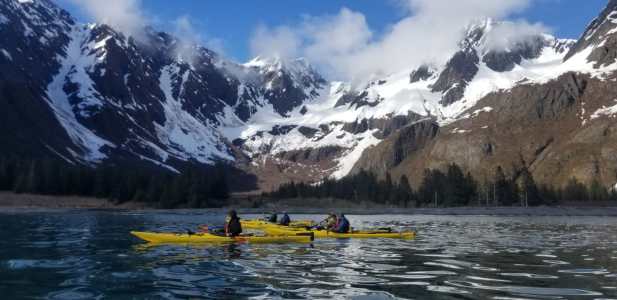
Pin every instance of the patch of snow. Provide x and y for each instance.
(59, 154)
(88, 142)
(4, 19)
(6, 54)
(460, 131)
(610, 111)
(79, 64)
(158, 163)
(186, 137)
(27, 29)
(349, 158)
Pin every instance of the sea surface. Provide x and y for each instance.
(81, 254)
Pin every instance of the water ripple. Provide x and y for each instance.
(85, 255)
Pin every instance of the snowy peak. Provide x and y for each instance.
(286, 84)
(600, 38)
(299, 70)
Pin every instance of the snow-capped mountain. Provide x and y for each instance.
(118, 97)
(88, 94)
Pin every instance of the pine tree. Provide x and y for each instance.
(575, 191)
(456, 187)
(406, 193)
(530, 195)
(597, 191)
(506, 190)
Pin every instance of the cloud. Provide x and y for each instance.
(507, 35)
(281, 41)
(189, 39)
(123, 15)
(344, 45)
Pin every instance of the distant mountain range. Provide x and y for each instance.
(88, 94)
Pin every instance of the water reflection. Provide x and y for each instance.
(77, 255)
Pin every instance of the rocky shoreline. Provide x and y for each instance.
(25, 202)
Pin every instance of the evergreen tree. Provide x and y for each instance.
(505, 189)
(597, 191)
(7, 174)
(457, 189)
(575, 191)
(530, 194)
(405, 191)
(220, 188)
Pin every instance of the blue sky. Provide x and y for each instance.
(233, 22)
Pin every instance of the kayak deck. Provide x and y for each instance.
(258, 224)
(284, 231)
(200, 238)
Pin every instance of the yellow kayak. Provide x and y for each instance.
(200, 238)
(259, 224)
(284, 231)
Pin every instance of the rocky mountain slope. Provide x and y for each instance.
(88, 94)
(558, 121)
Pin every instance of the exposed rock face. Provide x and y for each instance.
(422, 73)
(502, 61)
(397, 147)
(458, 72)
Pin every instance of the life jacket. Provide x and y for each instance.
(342, 225)
(285, 220)
(234, 228)
(272, 218)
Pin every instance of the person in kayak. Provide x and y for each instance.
(272, 218)
(342, 224)
(233, 227)
(329, 223)
(285, 220)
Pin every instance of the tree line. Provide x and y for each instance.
(195, 187)
(449, 188)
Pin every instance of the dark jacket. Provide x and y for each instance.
(285, 220)
(342, 225)
(233, 227)
(272, 218)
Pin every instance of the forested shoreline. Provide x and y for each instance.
(450, 188)
(194, 187)
(209, 187)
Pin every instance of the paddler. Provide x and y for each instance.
(233, 227)
(330, 222)
(342, 224)
(272, 218)
(285, 220)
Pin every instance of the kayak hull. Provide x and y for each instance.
(284, 231)
(203, 238)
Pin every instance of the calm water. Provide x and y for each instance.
(89, 254)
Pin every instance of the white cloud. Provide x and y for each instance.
(281, 41)
(511, 34)
(345, 47)
(123, 15)
(189, 39)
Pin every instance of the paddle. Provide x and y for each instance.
(320, 224)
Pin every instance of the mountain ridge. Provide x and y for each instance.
(105, 97)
